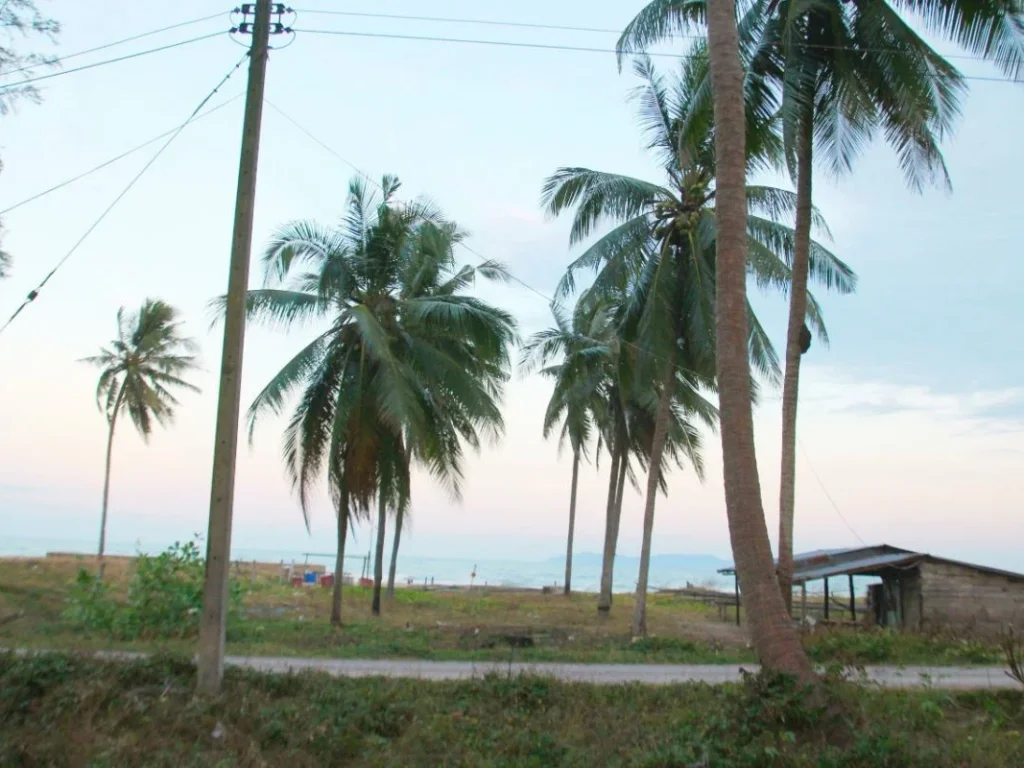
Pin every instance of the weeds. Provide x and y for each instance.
(50, 702)
(1013, 649)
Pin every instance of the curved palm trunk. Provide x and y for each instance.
(339, 563)
(100, 562)
(399, 519)
(791, 382)
(771, 631)
(572, 521)
(378, 563)
(604, 600)
(657, 449)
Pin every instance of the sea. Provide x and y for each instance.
(668, 571)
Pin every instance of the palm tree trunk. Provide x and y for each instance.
(604, 600)
(100, 562)
(339, 563)
(572, 521)
(653, 475)
(771, 631)
(378, 564)
(791, 382)
(399, 519)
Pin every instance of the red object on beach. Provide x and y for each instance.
(364, 582)
(327, 580)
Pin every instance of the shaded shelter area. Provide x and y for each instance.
(915, 590)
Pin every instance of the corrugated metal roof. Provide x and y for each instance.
(868, 564)
(868, 561)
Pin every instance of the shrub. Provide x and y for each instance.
(165, 598)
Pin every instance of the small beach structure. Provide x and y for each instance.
(915, 591)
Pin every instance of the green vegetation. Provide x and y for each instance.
(154, 606)
(143, 713)
(164, 599)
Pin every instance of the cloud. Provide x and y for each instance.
(987, 411)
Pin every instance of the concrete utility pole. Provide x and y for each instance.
(222, 491)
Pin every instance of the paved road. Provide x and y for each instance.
(652, 674)
(958, 678)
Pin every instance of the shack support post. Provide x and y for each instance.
(853, 600)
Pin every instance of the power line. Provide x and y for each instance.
(113, 160)
(453, 20)
(20, 83)
(361, 172)
(474, 41)
(35, 292)
(810, 466)
(103, 47)
(599, 30)
(582, 49)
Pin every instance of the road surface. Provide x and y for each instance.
(950, 678)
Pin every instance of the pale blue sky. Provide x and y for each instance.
(913, 418)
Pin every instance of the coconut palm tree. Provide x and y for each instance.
(402, 522)
(409, 369)
(773, 635)
(579, 377)
(839, 73)
(139, 373)
(666, 234)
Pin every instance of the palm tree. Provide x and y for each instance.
(773, 635)
(662, 247)
(409, 368)
(839, 73)
(579, 377)
(140, 370)
(402, 521)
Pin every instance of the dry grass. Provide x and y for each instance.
(482, 623)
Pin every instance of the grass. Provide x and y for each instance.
(453, 624)
(68, 711)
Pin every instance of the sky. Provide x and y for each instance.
(911, 422)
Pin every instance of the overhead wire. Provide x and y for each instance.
(35, 291)
(570, 48)
(115, 43)
(571, 28)
(814, 472)
(121, 156)
(137, 54)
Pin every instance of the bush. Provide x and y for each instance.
(89, 603)
(165, 598)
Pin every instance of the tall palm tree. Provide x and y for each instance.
(662, 247)
(140, 370)
(409, 368)
(579, 377)
(840, 72)
(773, 635)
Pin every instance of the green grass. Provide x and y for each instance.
(66, 711)
(280, 620)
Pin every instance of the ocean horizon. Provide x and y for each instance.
(668, 571)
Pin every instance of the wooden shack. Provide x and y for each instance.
(916, 590)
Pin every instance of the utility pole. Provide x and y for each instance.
(222, 491)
